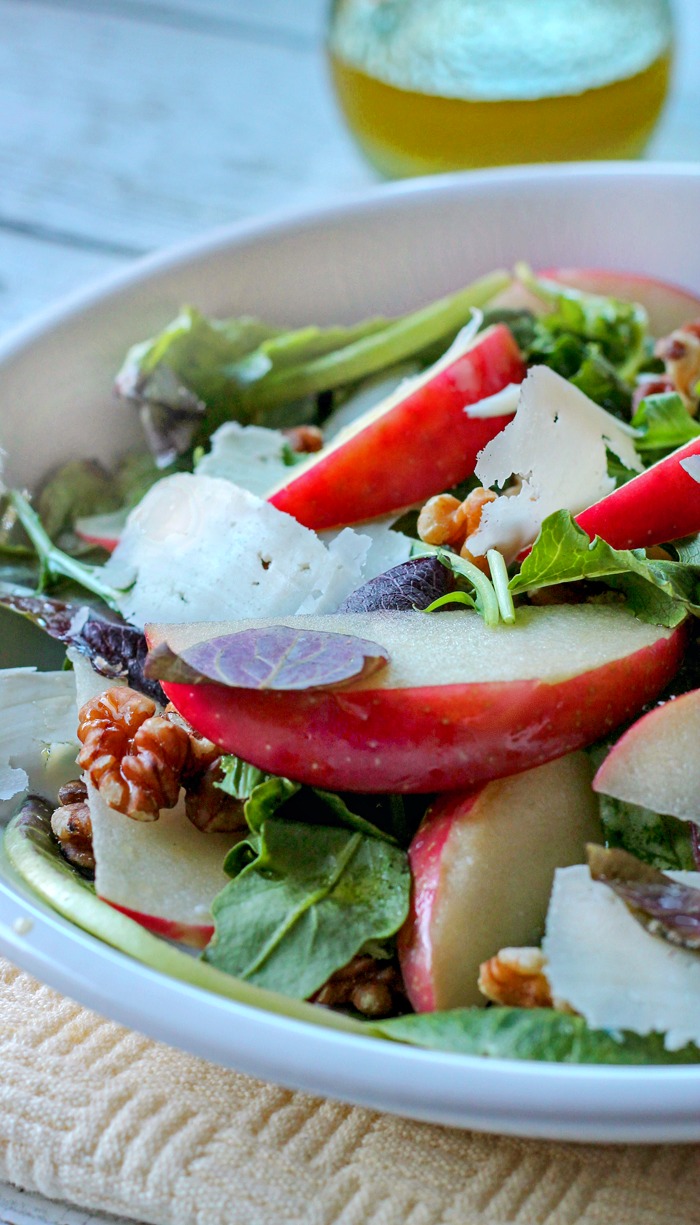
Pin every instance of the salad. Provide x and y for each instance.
(381, 686)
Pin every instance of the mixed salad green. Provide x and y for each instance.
(302, 881)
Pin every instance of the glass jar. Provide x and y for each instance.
(432, 85)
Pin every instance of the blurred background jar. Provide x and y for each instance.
(432, 85)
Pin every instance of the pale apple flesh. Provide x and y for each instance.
(417, 443)
(656, 764)
(459, 704)
(660, 504)
(482, 865)
(165, 873)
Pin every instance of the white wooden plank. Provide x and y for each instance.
(33, 274)
(298, 20)
(143, 139)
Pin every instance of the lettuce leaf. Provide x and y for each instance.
(661, 592)
(198, 373)
(529, 1033)
(311, 898)
(664, 424)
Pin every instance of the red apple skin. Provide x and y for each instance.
(432, 738)
(108, 543)
(415, 946)
(662, 503)
(195, 935)
(420, 447)
(668, 306)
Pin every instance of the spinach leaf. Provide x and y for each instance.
(665, 842)
(306, 904)
(529, 1033)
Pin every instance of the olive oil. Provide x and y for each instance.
(432, 85)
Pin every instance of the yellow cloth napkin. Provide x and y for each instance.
(100, 1116)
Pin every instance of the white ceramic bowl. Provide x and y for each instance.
(387, 251)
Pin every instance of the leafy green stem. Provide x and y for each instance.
(485, 600)
(499, 578)
(54, 563)
(370, 354)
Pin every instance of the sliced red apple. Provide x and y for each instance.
(162, 873)
(482, 865)
(662, 503)
(668, 306)
(458, 704)
(102, 530)
(656, 763)
(416, 443)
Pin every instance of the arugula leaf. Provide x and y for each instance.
(54, 564)
(665, 842)
(198, 373)
(619, 329)
(529, 1033)
(661, 592)
(308, 902)
(664, 424)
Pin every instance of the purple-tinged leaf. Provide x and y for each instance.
(273, 657)
(416, 583)
(665, 907)
(115, 649)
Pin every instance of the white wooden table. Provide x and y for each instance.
(127, 125)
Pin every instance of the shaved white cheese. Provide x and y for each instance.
(556, 448)
(199, 548)
(691, 465)
(38, 742)
(249, 456)
(603, 963)
(498, 405)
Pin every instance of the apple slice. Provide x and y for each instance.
(662, 503)
(656, 764)
(103, 530)
(459, 703)
(165, 873)
(482, 864)
(668, 306)
(416, 443)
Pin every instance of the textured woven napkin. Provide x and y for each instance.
(100, 1116)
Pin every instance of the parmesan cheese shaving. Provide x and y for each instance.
(555, 447)
(200, 548)
(498, 405)
(603, 963)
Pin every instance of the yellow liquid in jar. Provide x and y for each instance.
(549, 115)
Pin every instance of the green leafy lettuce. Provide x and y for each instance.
(597, 343)
(664, 424)
(529, 1033)
(198, 373)
(661, 592)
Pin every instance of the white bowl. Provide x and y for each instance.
(388, 251)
